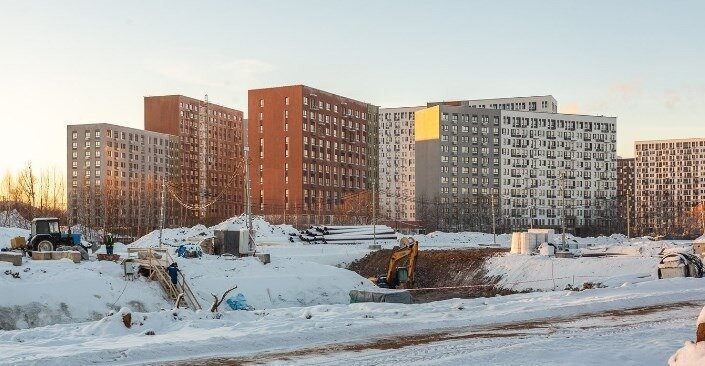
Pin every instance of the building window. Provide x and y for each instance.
(74, 135)
(286, 100)
(261, 102)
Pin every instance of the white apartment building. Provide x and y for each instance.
(115, 175)
(396, 163)
(544, 103)
(552, 161)
(669, 181)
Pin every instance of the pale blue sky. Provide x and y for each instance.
(67, 62)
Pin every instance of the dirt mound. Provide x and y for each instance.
(441, 268)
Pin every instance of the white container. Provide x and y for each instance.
(529, 242)
(547, 249)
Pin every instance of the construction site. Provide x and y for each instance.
(335, 281)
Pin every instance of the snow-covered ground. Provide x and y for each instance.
(50, 292)
(186, 335)
(7, 233)
(302, 301)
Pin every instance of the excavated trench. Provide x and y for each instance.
(441, 268)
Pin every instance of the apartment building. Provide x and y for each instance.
(211, 184)
(528, 168)
(556, 165)
(626, 195)
(396, 164)
(115, 177)
(544, 103)
(309, 152)
(669, 182)
(457, 164)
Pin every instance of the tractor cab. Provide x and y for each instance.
(45, 235)
(46, 226)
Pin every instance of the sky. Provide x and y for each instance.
(71, 62)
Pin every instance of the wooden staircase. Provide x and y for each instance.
(156, 261)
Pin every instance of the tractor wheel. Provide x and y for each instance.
(45, 246)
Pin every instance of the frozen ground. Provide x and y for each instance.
(187, 335)
(624, 339)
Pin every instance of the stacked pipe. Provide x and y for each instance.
(362, 234)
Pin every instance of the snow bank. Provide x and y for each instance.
(7, 233)
(50, 292)
(691, 353)
(284, 282)
(13, 219)
(186, 334)
(265, 233)
(524, 272)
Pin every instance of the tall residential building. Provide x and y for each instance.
(670, 181)
(396, 164)
(544, 103)
(626, 195)
(372, 147)
(530, 168)
(457, 164)
(309, 152)
(211, 184)
(115, 177)
(555, 164)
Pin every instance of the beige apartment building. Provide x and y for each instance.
(115, 176)
(669, 183)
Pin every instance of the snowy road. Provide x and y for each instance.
(641, 336)
(592, 327)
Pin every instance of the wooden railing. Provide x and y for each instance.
(157, 260)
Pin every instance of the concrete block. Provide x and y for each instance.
(263, 257)
(72, 255)
(374, 247)
(14, 258)
(41, 256)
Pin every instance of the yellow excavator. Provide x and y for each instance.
(402, 265)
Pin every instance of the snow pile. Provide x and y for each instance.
(50, 292)
(282, 283)
(524, 272)
(13, 219)
(265, 233)
(174, 237)
(439, 239)
(691, 353)
(7, 233)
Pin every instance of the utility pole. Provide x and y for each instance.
(162, 211)
(248, 198)
(562, 184)
(374, 214)
(629, 220)
(494, 222)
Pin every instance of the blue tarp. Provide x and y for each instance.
(183, 249)
(238, 302)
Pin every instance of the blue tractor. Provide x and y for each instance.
(46, 236)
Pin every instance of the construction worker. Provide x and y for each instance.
(109, 243)
(173, 270)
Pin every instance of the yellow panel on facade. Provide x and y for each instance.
(427, 123)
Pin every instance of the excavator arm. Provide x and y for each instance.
(406, 255)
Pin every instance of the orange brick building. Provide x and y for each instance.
(211, 159)
(309, 152)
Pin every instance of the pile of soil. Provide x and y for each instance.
(441, 268)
